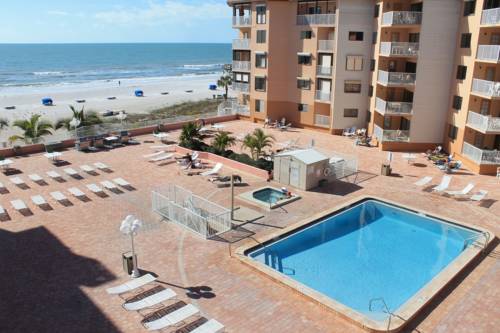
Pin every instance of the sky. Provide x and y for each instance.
(115, 21)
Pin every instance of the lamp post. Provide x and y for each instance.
(130, 225)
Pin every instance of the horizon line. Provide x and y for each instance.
(88, 43)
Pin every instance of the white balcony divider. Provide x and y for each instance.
(242, 21)
(324, 70)
(399, 49)
(483, 123)
(384, 107)
(325, 45)
(402, 18)
(323, 95)
(490, 16)
(488, 53)
(480, 156)
(321, 120)
(241, 65)
(241, 44)
(396, 78)
(316, 19)
(486, 88)
(241, 87)
(378, 132)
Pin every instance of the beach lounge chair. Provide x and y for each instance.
(131, 285)
(36, 178)
(443, 186)
(462, 192)
(54, 175)
(75, 191)
(95, 189)
(479, 195)
(211, 326)
(17, 181)
(423, 181)
(109, 185)
(101, 166)
(18, 205)
(88, 169)
(164, 148)
(71, 172)
(59, 197)
(38, 200)
(350, 131)
(173, 318)
(161, 158)
(152, 155)
(150, 301)
(3, 189)
(215, 170)
(122, 182)
(2, 211)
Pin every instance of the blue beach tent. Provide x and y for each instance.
(47, 101)
(212, 87)
(139, 93)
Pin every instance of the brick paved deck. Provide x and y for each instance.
(57, 264)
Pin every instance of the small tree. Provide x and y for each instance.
(225, 81)
(190, 136)
(3, 123)
(84, 119)
(221, 141)
(33, 129)
(256, 142)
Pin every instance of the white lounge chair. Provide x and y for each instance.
(152, 300)
(71, 172)
(58, 196)
(36, 178)
(2, 187)
(172, 318)
(350, 131)
(87, 168)
(18, 205)
(38, 200)
(423, 181)
(2, 210)
(94, 188)
(76, 192)
(54, 175)
(211, 326)
(131, 285)
(479, 195)
(161, 158)
(462, 192)
(122, 182)
(163, 147)
(17, 181)
(215, 170)
(109, 185)
(101, 166)
(443, 186)
(158, 153)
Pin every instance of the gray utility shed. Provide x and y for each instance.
(302, 169)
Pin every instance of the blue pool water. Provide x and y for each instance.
(268, 195)
(369, 251)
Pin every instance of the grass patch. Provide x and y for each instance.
(192, 108)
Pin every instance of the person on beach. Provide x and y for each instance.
(119, 83)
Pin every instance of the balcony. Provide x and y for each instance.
(241, 44)
(242, 21)
(390, 135)
(241, 87)
(489, 53)
(490, 16)
(324, 70)
(393, 108)
(239, 66)
(401, 18)
(316, 19)
(230, 107)
(323, 96)
(325, 45)
(483, 124)
(396, 79)
(480, 156)
(488, 89)
(392, 49)
(321, 120)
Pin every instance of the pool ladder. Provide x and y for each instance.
(385, 309)
(474, 240)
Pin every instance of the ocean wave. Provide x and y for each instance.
(203, 66)
(49, 73)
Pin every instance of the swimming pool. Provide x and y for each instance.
(366, 255)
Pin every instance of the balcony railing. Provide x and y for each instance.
(393, 108)
(390, 135)
(323, 96)
(241, 44)
(490, 16)
(396, 78)
(325, 45)
(316, 19)
(402, 18)
(488, 53)
(321, 120)
(324, 70)
(399, 49)
(242, 21)
(483, 123)
(481, 156)
(486, 88)
(241, 87)
(232, 106)
(241, 66)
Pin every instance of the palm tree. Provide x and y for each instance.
(190, 135)
(33, 129)
(224, 82)
(90, 118)
(3, 123)
(257, 141)
(221, 141)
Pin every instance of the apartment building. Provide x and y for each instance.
(395, 67)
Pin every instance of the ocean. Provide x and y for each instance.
(39, 65)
